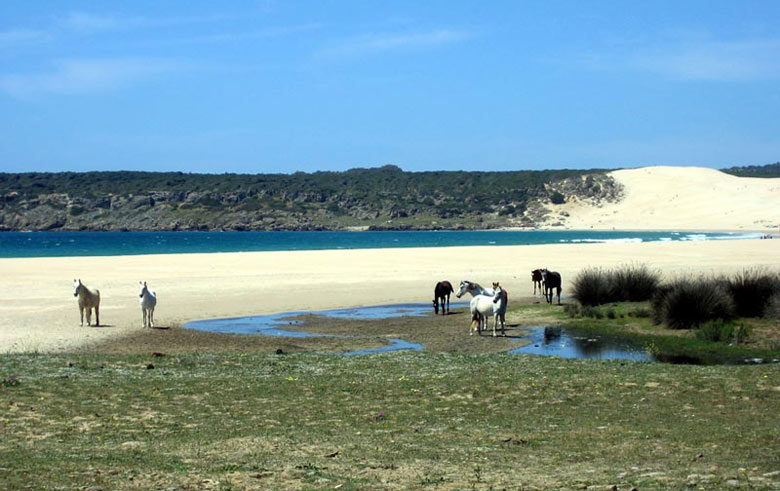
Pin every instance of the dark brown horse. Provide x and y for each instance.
(536, 278)
(442, 294)
(551, 280)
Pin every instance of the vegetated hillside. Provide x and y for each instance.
(378, 198)
(769, 170)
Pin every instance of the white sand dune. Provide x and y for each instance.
(38, 311)
(682, 198)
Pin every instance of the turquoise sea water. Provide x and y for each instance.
(59, 244)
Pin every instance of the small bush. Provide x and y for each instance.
(572, 310)
(751, 291)
(591, 287)
(687, 304)
(557, 198)
(772, 310)
(634, 283)
(592, 312)
(720, 331)
(641, 313)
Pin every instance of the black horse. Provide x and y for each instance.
(551, 280)
(536, 278)
(442, 293)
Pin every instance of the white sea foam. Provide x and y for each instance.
(604, 241)
(740, 236)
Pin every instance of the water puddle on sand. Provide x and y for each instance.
(549, 341)
(273, 325)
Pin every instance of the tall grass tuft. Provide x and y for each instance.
(591, 287)
(687, 304)
(721, 331)
(634, 283)
(751, 290)
(631, 283)
(772, 310)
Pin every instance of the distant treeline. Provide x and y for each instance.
(769, 170)
(362, 182)
(385, 197)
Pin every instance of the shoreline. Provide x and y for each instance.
(38, 311)
(541, 228)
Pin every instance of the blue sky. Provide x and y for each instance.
(283, 86)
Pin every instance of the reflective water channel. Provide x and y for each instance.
(545, 341)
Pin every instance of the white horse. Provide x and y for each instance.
(89, 298)
(500, 300)
(481, 308)
(474, 289)
(148, 302)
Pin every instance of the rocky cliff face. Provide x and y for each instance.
(282, 209)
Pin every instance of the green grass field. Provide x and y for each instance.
(205, 415)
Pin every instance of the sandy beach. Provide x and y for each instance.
(39, 313)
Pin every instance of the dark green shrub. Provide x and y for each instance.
(641, 313)
(557, 198)
(633, 283)
(772, 310)
(593, 312)
(751, 291)
(572, 310)
(591, 287)
(687, 304)
(719, 330)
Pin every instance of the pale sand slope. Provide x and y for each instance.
(38, 311)
(682, 198)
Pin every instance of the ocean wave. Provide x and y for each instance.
(602, 241)
(740, 236)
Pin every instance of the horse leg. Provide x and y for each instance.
(143, 317)
(151, 317)
(81, 311)
(559, 296)
(448, 303)
(97, 315)
(89, 316)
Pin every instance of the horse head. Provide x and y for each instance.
(464, 287)
(142, 285)
(499, 295)
(77, 286)
(436, 305)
